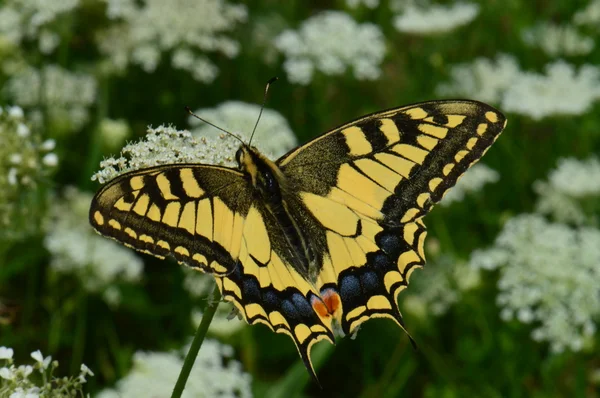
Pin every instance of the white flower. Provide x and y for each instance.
(367, 3)
(273, 134)
(590, 15)
(557, 40)
(483, 79)
(215, 374)
(148, 30)
(76, 249)
(24, 19)
(549, 276)
(472, 181)
(6, 353)
(114, 132)
(439, 286)
(166, 145)
(435, 18)
(15, 112)
(7, 373)
(562, 91)
(39, 358)
(50, 160)
(332, 43)
(573, 183)
(66, 95)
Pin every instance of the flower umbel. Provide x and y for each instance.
(77, 249)
(549, 276)
(332, 42)
(25, 164)
(17, 381)
(215, 374)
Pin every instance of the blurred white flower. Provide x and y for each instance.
(472, 181)
(273, 135)
(113, 132)
(6, 353)
(215, 374)
(557, 40)
(570, 187)
(66, 96)
(25, 164)
(590, 15)
(367, 3)
(483, 79)
(190, 29)
(198, 284)
(562, 91)
(223, 325)
(43, 363)
(549, 276)
(439, 286)
(435, 18)
(23, 19)
(332, 43)
(76, 249)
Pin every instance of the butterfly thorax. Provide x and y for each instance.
(271, 189)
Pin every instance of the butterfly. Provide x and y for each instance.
(323, 238)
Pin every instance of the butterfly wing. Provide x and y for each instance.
(369, 183)
(206, 217)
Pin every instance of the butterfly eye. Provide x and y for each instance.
(238, 156)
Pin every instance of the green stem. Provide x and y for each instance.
(190, 358)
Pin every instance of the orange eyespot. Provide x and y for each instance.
(327, 304)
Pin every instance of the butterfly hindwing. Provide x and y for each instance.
(383, 173)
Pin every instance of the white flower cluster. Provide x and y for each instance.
(439, 286)
(472, 181)
(189, 29)
(273, 136)
(549, 276)
(25, 161)
(590, 15)
(483, 79)
(215, 374)
(20, 382)
(332, 42)
(572, 187)
(76, 249)
(167, 145)
(367, 3)
(557, 40)
(65, 96)
(28, 20)
(561, 91)
(435, 18)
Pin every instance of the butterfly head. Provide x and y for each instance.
(262, 172)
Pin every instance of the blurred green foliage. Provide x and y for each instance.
(467, 351)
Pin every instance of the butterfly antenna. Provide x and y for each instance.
(188, 110)
(271, 81)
